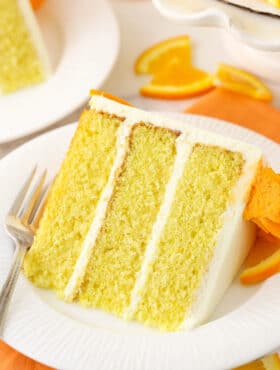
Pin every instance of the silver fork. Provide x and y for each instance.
(21, 224)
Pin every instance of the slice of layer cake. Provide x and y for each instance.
(23, 57)
(145, 218)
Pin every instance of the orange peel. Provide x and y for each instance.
(110, 96)
(263, 207)
(263, 270)
(36, 3)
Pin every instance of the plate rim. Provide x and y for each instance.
(162, 342)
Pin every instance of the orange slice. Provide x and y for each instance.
(36, 3)
(263, 249)
(234, 79)
(110, 96)
(270, 362)
(174, 77)
(154, 58)
(176, 81)
(264, 269)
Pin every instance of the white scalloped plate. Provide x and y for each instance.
(83, 42)
(245, 326)
(256, 30)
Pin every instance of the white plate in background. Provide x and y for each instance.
(245, 326)
(256, 30)
(82, 38)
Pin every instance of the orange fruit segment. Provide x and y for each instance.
(110, 96)
(263, 248)
(174, 77)
(270, 362)
(263, 270)
(36, 3)
(155, 57)
(240, 81)
(269, 226)
(176, 81)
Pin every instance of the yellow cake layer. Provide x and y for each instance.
(19, 63)
(138, 194)
(189, 237)
(71, 206)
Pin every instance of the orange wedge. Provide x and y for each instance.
(234, 79)
(177, 81)
(36, 3)
(154, 58)
(270, 362)
(174, 77)
(110, 96)
(264, 269)
(264, 247)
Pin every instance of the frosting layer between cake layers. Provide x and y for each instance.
(160, 245)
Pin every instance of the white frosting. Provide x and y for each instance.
(233, 243)
(31, 23)
(233, 240)
(183, 151)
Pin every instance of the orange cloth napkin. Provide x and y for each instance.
(13, 360)
(242, 110)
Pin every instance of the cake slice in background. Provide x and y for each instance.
(24, 59)
(145, 218)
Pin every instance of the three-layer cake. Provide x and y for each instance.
(145, 217)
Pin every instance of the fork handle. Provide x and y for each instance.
(9, 285)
